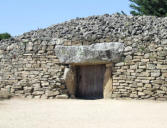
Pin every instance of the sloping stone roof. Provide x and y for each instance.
(94, 29)
(109, 27)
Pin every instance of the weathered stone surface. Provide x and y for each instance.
(29, 46)
(4, 94)
(159, 66)
(107, 83)
(30, 68)
(70, 80)
(164, 42)
(128, 48)
(93, 54)
(38, 93)
(64, 96)
(155, 73)
(120, 64)
(52, 93)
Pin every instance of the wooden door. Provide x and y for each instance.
(90, 81)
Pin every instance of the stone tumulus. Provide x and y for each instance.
(33, 64)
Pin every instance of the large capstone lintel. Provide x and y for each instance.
(99, 53)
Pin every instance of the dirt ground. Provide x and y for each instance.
(35, 113)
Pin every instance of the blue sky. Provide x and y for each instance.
(19, 16)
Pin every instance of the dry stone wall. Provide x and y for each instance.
(30, 70)
(29, 67)
(143, 73)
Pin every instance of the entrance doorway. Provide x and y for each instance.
(89, 81)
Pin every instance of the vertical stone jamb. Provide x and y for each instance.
(70, 80)
(107, 84)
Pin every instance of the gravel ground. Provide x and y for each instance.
(35, 113)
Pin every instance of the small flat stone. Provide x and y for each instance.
(64, 96)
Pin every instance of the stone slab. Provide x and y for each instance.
(98, 53)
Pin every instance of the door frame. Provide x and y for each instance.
(71, 80)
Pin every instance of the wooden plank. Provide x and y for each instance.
(90, 81)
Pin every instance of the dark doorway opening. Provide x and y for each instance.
(90, 81)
